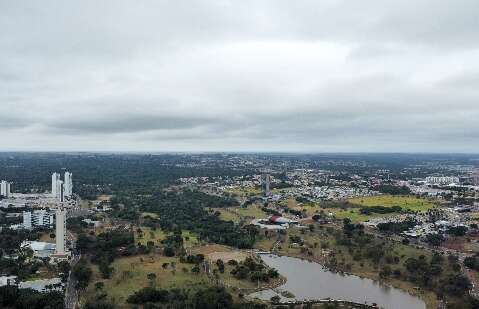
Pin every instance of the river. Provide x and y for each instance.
(309, 280)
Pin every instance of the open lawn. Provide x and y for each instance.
(245, 191)
(219, 252)
(158, 235)
(149, 235)
(235, 214)
(226, 214)
(252, 211)
(405, 202)
(353, 214)
(150, 214)
(130, 275)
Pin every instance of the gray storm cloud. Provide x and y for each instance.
(240, 75)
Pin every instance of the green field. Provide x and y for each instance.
(407, 203)
(130, 275)
(252, 211)
(245, 191)
(235, 214)
(411, 203)
(149, 235)
(158, 235)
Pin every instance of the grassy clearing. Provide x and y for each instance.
(190, 239)
(245, 191)
(353, 214)
(226, 214)
(252, 211)
(149, 235)
(411, 203)
(130, 275)
(104, 197)
(235, 214)
(45, 237)
(150, 214)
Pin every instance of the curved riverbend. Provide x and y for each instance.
(309, 280)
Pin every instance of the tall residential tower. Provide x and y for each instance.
(68, 184)
(5, 188)
(55, 180)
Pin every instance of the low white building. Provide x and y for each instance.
(37, 218)
(8, 280)
(442, 180)
(54, 284)
(40, 249)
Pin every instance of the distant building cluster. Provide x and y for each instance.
(5, 189)
(62, 188)
(442, 180)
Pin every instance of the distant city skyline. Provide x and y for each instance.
(240, 76)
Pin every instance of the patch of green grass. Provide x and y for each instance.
(130, 275)
(150, 214)
(149, 235)
(251, 211)
(405, 202)
(226, 215)
(190, 239)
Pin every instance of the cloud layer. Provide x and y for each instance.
(240, 75)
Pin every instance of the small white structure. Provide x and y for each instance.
(40, 249)
(443, 180)
(54, 284)
(8, 280)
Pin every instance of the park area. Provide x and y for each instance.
(355, 208)
(133, 273)
(235, 214)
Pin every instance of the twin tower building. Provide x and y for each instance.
(62, 188)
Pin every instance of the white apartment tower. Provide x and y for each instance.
(55, 180)
(61, 189)
(5, 188)
(60, 231)
(68, 184)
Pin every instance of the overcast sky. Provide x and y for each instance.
(302, 76)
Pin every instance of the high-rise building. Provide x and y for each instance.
(60, 231)
(60, 191)
(55, 180)
(68, 184)
(5, 188)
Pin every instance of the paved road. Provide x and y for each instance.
(71, 293)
